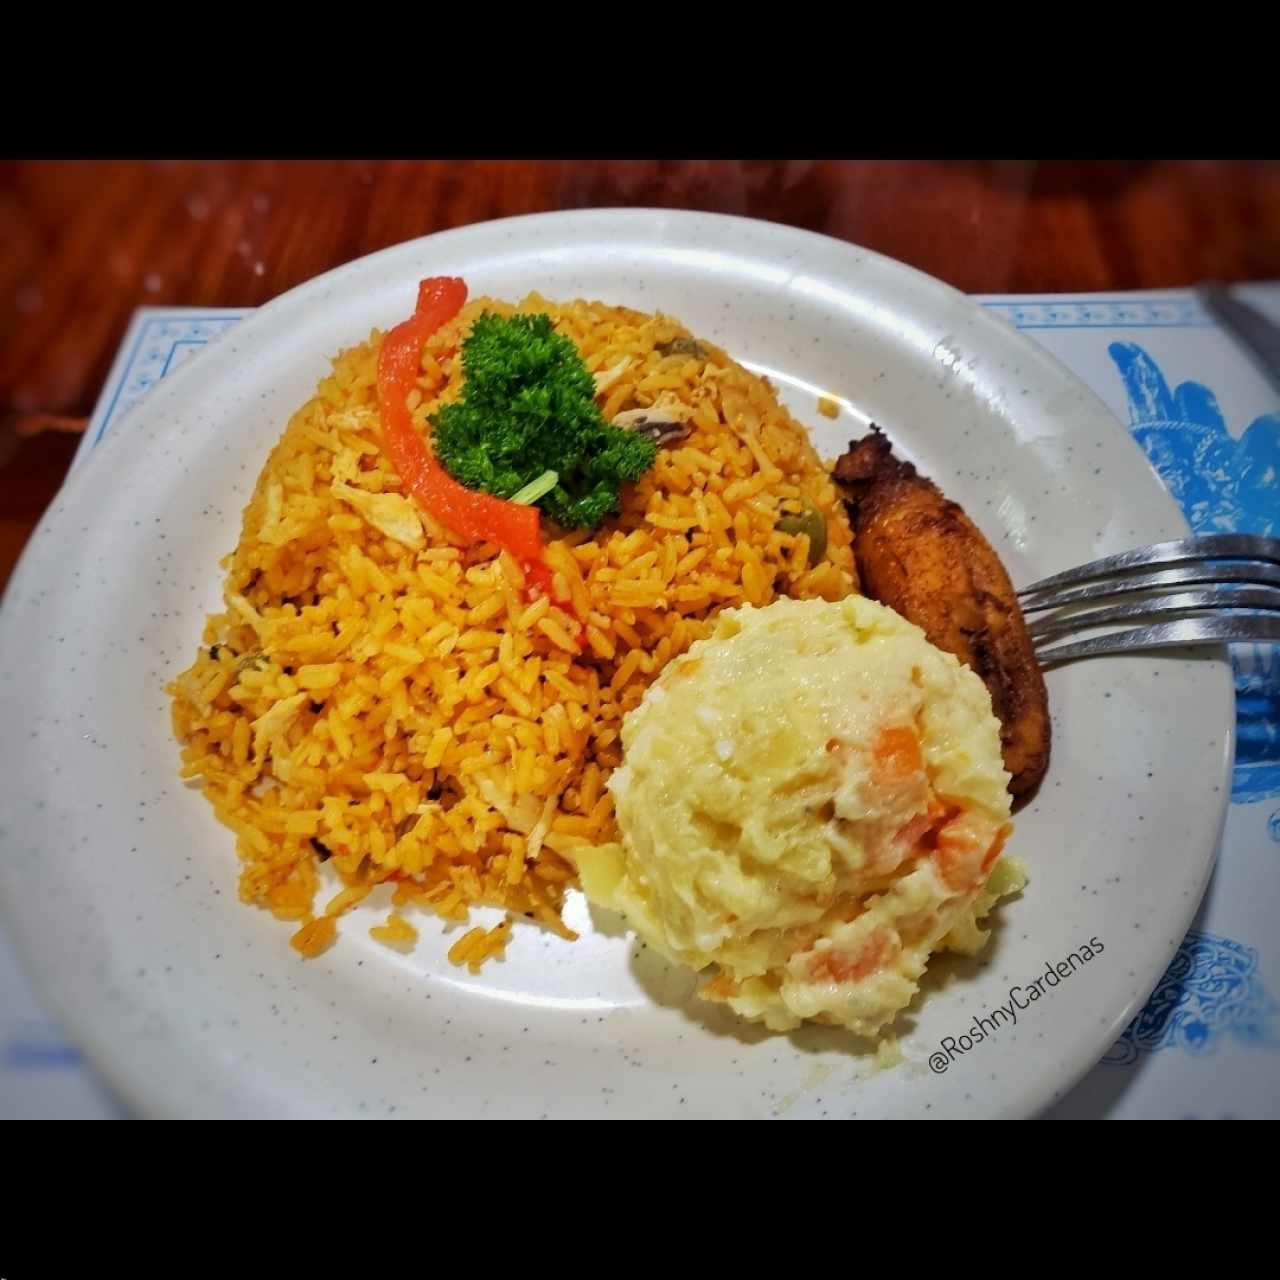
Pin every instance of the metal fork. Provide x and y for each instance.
(1240, 574)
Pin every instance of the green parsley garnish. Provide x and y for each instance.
(528, 427)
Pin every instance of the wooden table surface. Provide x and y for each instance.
(84, 243)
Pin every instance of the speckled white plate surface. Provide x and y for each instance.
(119, 886)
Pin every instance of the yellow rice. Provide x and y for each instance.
(397, 707)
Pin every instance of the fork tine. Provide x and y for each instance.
(1186, 631)
(1264, 598)
(1209, 546)
(1263, 574)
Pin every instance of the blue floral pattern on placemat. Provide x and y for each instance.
(1223, 485)
(1210, 993)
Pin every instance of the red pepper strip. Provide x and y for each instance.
(479, 516)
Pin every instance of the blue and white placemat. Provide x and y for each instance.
(1207, 1045)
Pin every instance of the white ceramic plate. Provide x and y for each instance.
(120, 887)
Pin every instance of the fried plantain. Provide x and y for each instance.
(921, 555)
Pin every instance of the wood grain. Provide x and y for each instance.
(84, 243)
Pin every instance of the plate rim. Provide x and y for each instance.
(99, 1049)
